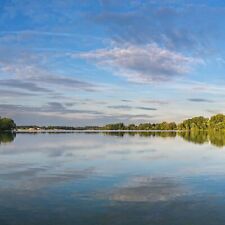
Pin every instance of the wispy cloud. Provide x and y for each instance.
(155, 101)
(147, 108)
(33, 77)
(19, 84)
(149, 63)
(15, 94)
(200, 100)
(57, 113)
(124, 107)
(50, 113)
(51, 107)
(128, 107)
(178, 25)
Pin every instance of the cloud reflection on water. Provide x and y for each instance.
(149, 189)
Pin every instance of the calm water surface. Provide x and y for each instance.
(112, 179)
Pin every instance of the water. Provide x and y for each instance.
(112, 179)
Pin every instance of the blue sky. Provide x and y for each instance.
(90, 62)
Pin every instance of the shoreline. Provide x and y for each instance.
(21, 131)
(94, 131)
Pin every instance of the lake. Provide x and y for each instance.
(119, 178)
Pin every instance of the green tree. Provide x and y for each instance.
(217, 122)
(115, 126)
(131, 127)
(7, 124)
(195, 123)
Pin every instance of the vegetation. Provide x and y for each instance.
(7, 124)
(201, 123)
(7, 137)
(214, 137)
(142, 134)
(216, 122)
(142, 126)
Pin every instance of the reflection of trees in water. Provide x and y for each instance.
(142, 134)
(158, 134)
(216, 138)
(118, 134)
(197, 137)
(7, 137)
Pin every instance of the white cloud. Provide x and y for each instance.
(148, 63)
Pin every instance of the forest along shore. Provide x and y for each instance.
(216, 122)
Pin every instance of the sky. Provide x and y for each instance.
(93, 62)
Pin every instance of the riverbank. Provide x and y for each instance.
(92, 131)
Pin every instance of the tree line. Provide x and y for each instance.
(216, 122)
